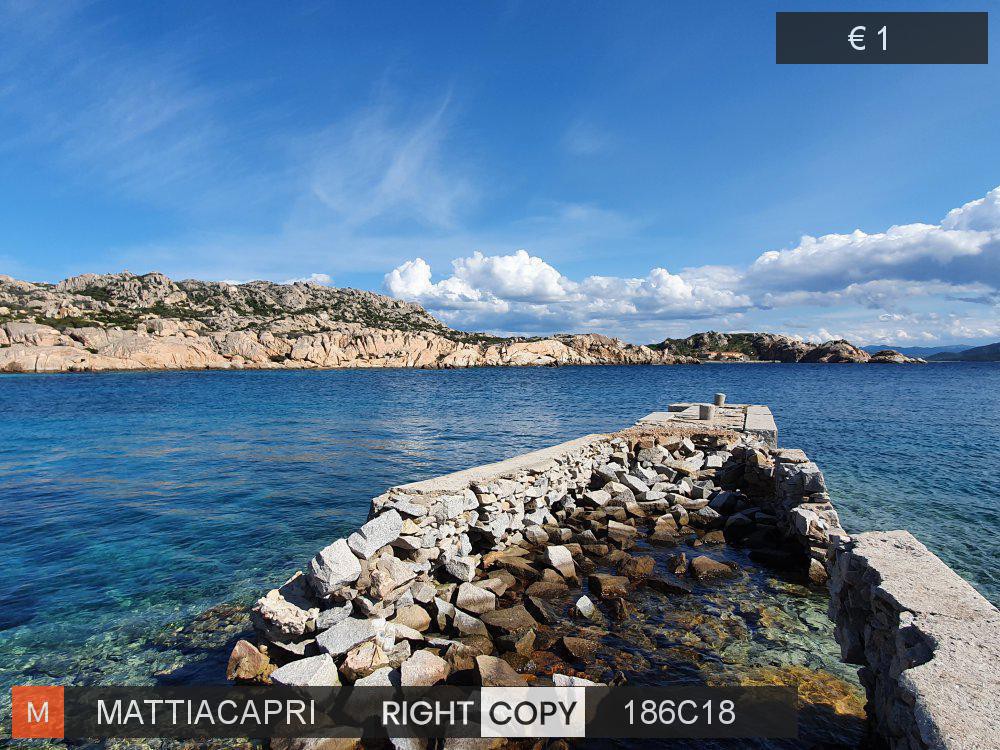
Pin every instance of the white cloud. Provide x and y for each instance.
(849, 281)
(500, 291)
(963, 249)
(978, 215)
(323, 279)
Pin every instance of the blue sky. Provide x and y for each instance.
(644, 156)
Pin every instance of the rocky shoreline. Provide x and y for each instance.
(115, 322)
(513, 573)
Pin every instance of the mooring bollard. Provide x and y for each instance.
(706, 411)
(720, 399)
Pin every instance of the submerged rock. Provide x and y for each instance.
(705, 568)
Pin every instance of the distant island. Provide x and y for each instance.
(987, 353)
(123, 321)
(772, 347)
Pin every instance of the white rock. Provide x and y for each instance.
(378, 532)
(461, 569)
(536, 535)
(474, 599)
(586, 607)
(422, 669)
(333, 568)
(384, 677)
(599, 498)
(634, 483)
(314, 671)
(469, 625)
(347, 634)
(330, 617)
(407, 507)
(561, 559)
(565, 680)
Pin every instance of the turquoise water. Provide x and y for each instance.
(131, 502)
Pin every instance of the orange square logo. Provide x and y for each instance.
(37, 712)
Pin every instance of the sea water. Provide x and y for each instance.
(139, 511)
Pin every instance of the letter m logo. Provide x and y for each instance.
(37, 712)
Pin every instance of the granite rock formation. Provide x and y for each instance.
(128, 322)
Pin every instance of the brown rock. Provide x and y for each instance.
(494, 672)
(413, 616)
(608, 586)
(525, 643)
(637, 567)
(542, 610)
(461, 657)
(519, 568)
(508, 625)
(714, 537)
(581, 649)
(547, 589)
(248, 664)
(705, 568)
(362, 660)
(669, 585)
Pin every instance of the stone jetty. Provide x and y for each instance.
(467, 578)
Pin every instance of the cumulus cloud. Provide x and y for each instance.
(494, 290)
(963, 249)
(859, 277)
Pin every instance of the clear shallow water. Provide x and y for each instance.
(131, 502)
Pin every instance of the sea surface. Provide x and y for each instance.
(139, 510)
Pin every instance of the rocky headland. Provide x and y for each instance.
(122, 321)
(772, 347)
(93, 323)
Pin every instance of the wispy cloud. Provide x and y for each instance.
(584, 138)
(131, 119)
(379, 165)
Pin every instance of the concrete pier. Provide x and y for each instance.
(751, 418)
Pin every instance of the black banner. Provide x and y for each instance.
(692, 711)
(888, 38)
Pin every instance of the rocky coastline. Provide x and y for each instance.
(98, 323)
(636, 558)
(516, 573)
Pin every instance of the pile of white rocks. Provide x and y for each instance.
(450, 574)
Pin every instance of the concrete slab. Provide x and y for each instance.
(759, 421)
